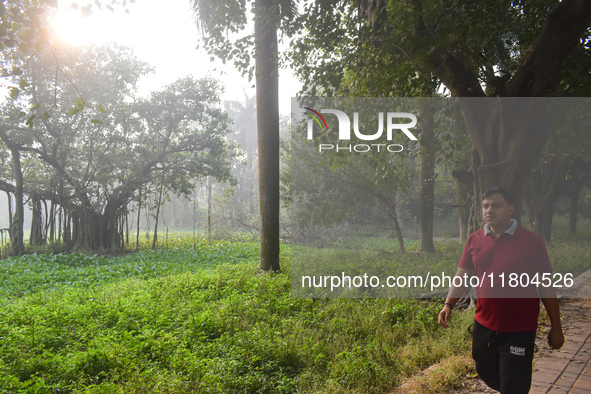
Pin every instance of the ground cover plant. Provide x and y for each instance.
(201, 318)
(35, 272)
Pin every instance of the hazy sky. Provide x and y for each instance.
(163, 34)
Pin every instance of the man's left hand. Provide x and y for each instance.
(555, 339)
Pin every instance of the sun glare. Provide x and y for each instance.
(70, 26)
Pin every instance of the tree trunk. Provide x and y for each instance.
(427, 186)
(507, 136)
(47, 222)
(398, 231)
(107, 225)
(139, 209)
(545, 185)
(52, 211)
(9, 202)
(390, 203)
(59, 226)
(574, 207)
(464, 184)
(127, 225)
(531, 205)
(547, 214)
(463, 198)
(36, 237)
(9, 199)
(17, 246)
(209, 208)
(67, 234)
(552, 183)
(267, 95)
(155, 239)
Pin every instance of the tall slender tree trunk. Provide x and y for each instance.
(59, 225)
(139, 209)
(427, 185)
(543, 191)
(9, 199)
(45, 234)
(463, 185)
(67, 233)
(390, 203)
(548, 215)
(267, 96)
(209, 208)
(155, 239)
(398, 231)
(127, 225)
(17, 246)
(195, 215)
(574, 207)
(52, 223)
(463, 212)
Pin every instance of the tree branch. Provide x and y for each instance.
(454, 74)
(7, 187)
(539, 71)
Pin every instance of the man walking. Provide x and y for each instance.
(506, 258)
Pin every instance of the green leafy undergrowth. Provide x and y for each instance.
(373, 259)
(206, 320)
(38, 272)
(229, 329)
(574, 258)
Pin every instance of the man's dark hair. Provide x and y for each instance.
(506, 193)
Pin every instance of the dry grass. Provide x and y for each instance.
(446, 376)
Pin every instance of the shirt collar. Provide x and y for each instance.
(510, 230)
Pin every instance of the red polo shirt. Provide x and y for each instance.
(504, 305)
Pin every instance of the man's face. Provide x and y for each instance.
(497, 212)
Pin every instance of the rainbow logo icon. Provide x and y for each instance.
(316, 116)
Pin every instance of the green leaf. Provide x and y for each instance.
(34, 107)
(80, 103)
(29, 121)
(101, 109)
(73, 111)
(14, 92)
(96, 121)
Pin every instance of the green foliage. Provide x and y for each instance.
(43, 272)
(225, 29)
(333, 187)
(92, 145)
(182, 320)
(219, 325)
(372, 257)
(572, 258)
(391, 49)
(202, 319)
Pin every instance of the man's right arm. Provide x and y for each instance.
(453, 296)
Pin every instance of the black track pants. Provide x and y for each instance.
(504, 359)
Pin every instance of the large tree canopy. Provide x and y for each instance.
(473, 49)
(91, 158)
